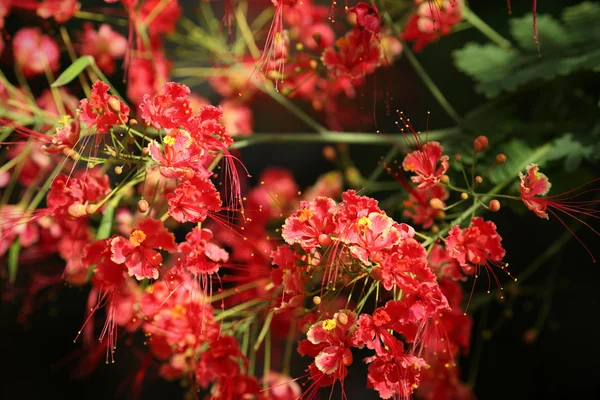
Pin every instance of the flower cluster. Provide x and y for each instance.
(353, 240)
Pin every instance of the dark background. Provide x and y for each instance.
(562, 363)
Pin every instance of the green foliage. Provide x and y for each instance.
(73, 70)
(574, 149)
(567, 46)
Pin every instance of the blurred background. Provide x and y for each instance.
(561, 361)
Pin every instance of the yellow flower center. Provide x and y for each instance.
(170, 140)
(305, 215)
(536, 174)
(329, 324)
(137, 237)
(365, 222)
(178, 311)
(64, 120)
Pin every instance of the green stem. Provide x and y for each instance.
(267, 363)
(100, 18)
(484, 28)
(264, 330)
(331, 137)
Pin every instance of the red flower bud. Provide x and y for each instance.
(480, 143)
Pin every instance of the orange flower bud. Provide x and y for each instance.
(480, 143)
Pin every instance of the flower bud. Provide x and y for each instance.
(145, 151)
(377, 273)
(480, 143)
(142, 206)
(91, 209)
(316, 300)
(342, 318)
(313, 64)
(445, 178)
(464, 196)
(478, 179)
(436, 203)
(457, 157)
(347, 358)
(133, 121)
(494, 206)
(500, 158)
(329, 153)
(118, 170)
(76, 210)
(324, 240)
(114, 105)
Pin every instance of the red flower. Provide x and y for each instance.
(97, 112)
(444, 265)
(403, 317)
(356, 207)
(282, 387)
(476, 246)
(73, 239)
(107, 273)
(182, 158)
(395, 374)
(405, 266)
(105, 45)
(169, 109)
(165, 15)
(199, 256)
(533, 187)
(424, 162)
(289, 276)
(329, 341)
(355, 55)
(367, 17)
(370, 236)
(237, 118)
(70, 196)
(431, 21)
(34, 52)
(311, 220)
(65, 139)
(192, 200)
(417, 206)
(12, 226)
(138, 253)
(150, 74)
(60, 10)
(221, 359)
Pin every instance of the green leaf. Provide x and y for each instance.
(567, 46)
(73, 70)
(13, 260)
(574, 149)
